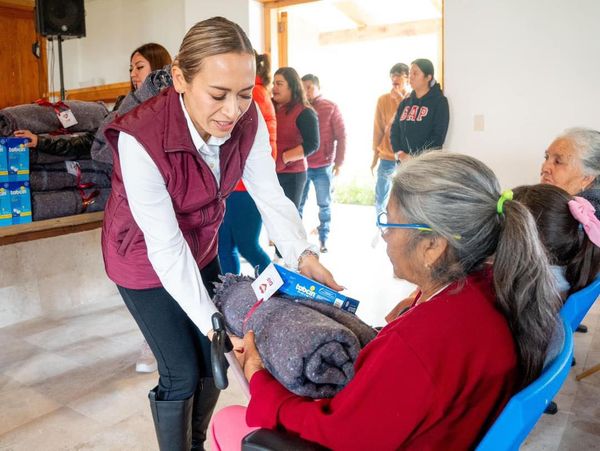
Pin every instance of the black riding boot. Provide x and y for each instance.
(205, 400)
(172, 421)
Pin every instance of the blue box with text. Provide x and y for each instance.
(3, 161)
(5, 205)
(20, 199)
(18, 158)
(296, 285)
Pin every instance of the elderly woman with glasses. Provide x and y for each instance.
(476, 333)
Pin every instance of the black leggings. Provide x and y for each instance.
(181, 350)
(293, 185)
(293, 188)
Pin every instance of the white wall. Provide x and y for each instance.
(530, 67)
(246, 13)
(115, 27)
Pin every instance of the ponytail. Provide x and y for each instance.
(525, 288)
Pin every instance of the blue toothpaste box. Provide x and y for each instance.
(3, 161)
(297, 285)
(18, 159)
(20, 198)
(5, 205)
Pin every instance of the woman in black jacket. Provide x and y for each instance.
(421, 121)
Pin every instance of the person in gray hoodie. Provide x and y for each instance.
(422, 118)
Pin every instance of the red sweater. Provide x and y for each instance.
(332, 134)
(435, 378)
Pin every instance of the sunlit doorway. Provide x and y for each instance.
(351, 46)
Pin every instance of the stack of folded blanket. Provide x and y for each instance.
(308, 346)
(43, 119)
(69, 188)
(64, 180)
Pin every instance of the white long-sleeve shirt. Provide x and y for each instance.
(168, 252)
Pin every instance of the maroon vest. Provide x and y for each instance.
(160, 127)
(288, 137)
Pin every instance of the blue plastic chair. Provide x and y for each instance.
(579, 303)
(526, 407)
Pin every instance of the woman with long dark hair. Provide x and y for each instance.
(297, 132)
(422, 118)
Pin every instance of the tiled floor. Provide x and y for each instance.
(67, 381)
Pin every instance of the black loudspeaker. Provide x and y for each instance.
(64, 18)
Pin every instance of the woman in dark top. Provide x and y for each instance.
(143, 60)
(422, 118)
(297, 132)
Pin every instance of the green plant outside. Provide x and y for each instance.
(354, 192)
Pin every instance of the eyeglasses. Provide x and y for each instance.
(384, 226)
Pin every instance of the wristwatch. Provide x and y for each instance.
(306, 253)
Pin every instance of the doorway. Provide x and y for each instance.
(351, 46)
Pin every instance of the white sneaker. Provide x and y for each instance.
(146, 363)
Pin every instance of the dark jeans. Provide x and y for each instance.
(321, 178)
(293, 187)
(181, 350)
(239, 234)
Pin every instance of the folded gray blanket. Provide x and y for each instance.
(153, 84)
(58, 176)
(307, 346)
(42, 119)
(56, 204)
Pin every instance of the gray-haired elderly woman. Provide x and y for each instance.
(441, 372)
(572, 162)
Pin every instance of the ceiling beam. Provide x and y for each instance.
(354, 12)
(418, 27)
(284, 3)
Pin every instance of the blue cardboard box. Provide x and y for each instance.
(20, 199)
(297, 285)
(3, 161)
(5, 205)
(18, 159)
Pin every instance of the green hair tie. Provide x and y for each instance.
(506, 195)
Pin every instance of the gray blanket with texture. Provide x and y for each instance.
(58, 176)
(36, 157)
(153, 84)
(42, 119)
(307, 346)
(55, 204)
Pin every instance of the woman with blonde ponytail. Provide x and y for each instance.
(177, 157)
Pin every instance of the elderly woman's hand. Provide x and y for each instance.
(248, 356)
(311, 267)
